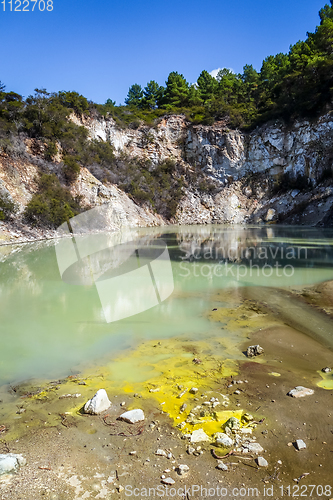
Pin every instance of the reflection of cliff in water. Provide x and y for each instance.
(258, 245)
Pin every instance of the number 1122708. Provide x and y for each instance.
(27, 5)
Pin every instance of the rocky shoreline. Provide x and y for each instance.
(237, 427)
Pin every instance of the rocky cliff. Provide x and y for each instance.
(246, 169)
(243, 173)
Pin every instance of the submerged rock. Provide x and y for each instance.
(254, 350)
(99, 403)
(133, 416)
(300, 392)
(326, 370)
(10, 462)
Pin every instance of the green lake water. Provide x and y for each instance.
(50, 327)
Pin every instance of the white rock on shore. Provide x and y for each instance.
(223, 440)
(262, 462)
(99, 403)
(133, 416)
(300, 444)
(300, 392)
(11, 462)
(254, 350)
(199, 436)
(254, 447)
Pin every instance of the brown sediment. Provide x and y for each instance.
(293, 311)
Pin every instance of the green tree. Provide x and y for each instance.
(228, 85)
(207, 85)
(194, 98)
(75, 101)
(326, 12)
(134, 95)
(176, 92)
(152, 95)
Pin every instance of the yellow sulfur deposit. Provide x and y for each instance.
(327, 382)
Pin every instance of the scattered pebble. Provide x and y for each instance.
(10, 462)
(67, 396)
(182, 469)
(182, 393)
(222, 466)
(168, 480)
(254, 447)
(262, 462)
(160, 453)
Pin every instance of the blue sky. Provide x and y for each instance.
(101, 48)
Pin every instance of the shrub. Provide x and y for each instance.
(71, 169)
(50, 151)
(97, 151)
(52, 204)
(7, 207)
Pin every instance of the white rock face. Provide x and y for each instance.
(223, 154)
(10, 462)
(199, 436)
(133, 416)
(99, 403)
